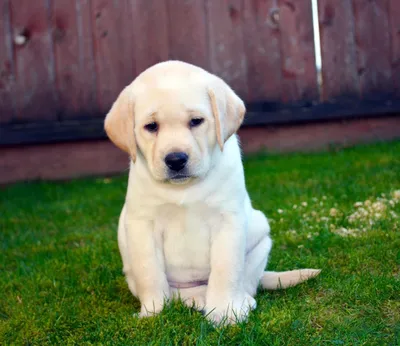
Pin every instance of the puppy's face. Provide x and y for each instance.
(174, 116)
(175, 131)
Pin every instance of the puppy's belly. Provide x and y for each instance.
(186, 244)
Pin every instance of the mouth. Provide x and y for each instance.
(179, 178)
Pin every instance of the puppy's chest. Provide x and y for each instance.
(186, 236)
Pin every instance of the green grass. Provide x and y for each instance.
(60, 270)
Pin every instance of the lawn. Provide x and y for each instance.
(61, 279)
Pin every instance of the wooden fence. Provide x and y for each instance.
(63, 62)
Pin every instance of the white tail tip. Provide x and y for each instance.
(281, 280)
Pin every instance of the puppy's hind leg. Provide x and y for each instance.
(123, 249)
(258, 248)
(192, 297)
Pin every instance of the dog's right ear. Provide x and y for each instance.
(120, 123)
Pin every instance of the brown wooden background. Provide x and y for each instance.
(63, 62)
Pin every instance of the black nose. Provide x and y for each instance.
(176, 161)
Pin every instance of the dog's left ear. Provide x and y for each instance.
(228, 110)
(119, 123)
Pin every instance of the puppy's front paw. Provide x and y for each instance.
(231, 311)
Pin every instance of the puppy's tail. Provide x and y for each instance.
(281, 280)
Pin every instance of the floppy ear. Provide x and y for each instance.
(228, 110)
(119, 123)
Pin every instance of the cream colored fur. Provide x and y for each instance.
(195, 236)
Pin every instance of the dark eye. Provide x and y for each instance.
(152, 127)
(196, 122)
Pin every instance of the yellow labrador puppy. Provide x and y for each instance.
(188, 228)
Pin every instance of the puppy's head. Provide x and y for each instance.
(175, 116)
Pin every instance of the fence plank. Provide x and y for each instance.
(34, 61)
(395, 39)
(112, 27)
(150, 27)
(188, 32)
(372, 34)
(339, 60)
(6, 66)
(262, 47)
(299, 75)
(226, 46)
(73, 47)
